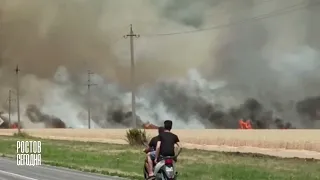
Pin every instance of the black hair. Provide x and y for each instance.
(167, 125)
(160, 129)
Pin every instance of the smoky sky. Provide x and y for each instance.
(274, 59)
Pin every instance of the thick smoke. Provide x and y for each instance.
(255, 69)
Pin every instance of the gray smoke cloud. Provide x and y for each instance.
(273, 60)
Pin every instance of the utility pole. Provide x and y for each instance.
(89, 98)
(1, 36)
(133, 96)
(10, 100)
(17, 70)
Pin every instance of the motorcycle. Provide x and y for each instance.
(165, 169)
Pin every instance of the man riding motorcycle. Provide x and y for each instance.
(167, 141)
(151, 152)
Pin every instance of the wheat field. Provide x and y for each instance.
(284, 143)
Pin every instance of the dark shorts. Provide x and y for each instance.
(153, 155)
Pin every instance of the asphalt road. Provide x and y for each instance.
(10, 171)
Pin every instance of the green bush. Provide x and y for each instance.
(21, 135)
(136, 137)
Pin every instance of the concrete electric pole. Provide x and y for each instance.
(10, 100)
(17, 70)
(133, 101)
(1, 37)
(89, 98)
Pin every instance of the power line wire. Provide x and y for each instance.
(209, 14)
(265, 16)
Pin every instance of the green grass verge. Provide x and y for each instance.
(126, 161)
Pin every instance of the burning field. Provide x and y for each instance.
(251, 109)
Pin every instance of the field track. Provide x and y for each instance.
(283, 143)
